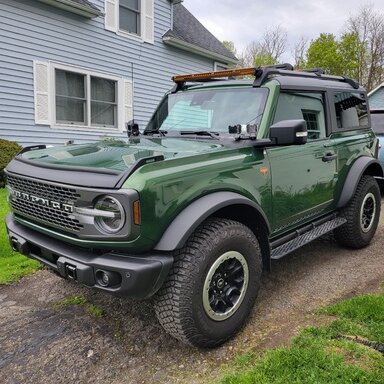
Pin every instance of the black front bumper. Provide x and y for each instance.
(138, 276)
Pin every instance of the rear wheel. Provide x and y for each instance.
(362, 214)
(213, 284)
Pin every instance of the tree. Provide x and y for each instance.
(230, 45)
(368, 25)
(324, 53)
(349, 50)
(274, 42)
(267, 51)
(299, 52)
(336, 57)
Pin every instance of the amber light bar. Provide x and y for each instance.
(212, 75)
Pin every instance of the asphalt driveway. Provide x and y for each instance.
(44, 342)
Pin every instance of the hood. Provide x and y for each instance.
(118, 155)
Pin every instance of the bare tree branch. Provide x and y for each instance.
(369, 26)
(274, 42)
(266, 51)
(299, 52)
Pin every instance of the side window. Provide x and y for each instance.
(302, 105)
(351, 110)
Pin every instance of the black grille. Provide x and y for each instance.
(42, 213)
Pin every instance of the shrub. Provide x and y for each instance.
(8, 150)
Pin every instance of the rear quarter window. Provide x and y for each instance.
(377, 121)
(351, 110)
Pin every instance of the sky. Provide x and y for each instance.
(244, 21)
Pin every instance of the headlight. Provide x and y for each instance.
(113, 218)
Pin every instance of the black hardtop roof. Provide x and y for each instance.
(305, 82)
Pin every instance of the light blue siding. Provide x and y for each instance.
(376, 99)
(30, 30)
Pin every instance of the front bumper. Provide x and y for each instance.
(138, 276)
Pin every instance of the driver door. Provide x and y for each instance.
(303, 176)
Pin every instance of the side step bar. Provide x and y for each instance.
(284, 249)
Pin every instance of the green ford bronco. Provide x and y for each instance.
(228, 175)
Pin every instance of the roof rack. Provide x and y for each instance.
(262, 74)
(318, 71)
(267, 72)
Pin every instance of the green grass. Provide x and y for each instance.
(318, 355)
(94, 310)
(13, 265)
(80, 300)
(72, 300)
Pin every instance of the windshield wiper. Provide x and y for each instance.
(156, 131)
(213, 135)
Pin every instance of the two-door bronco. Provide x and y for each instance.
(228, 174)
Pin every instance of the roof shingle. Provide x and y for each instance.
(188, 29)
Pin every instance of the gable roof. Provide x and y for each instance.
(376, 97)
(81, 7)
(189, 34)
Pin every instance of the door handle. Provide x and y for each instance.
(329, 157)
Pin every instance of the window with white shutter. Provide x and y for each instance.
(80, 98)
(131, 18)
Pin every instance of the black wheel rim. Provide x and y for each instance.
(367, 212)
(225, 286)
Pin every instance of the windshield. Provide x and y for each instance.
(212, 110)
(377, 120)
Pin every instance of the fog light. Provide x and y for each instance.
(107, 278)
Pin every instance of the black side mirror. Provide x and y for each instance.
(289, 132)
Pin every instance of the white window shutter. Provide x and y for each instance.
(128, 101)
(41, 92)
(148, 27)
(111, 15)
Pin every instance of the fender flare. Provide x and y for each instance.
(354, 175)
(194, 214)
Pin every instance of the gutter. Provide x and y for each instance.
(181, 44)
(74, 7)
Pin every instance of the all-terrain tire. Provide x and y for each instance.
(222, 254)
(362, 214)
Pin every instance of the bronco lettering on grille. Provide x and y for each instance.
(41, 201)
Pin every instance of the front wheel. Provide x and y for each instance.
(213, 284)
(362, 214)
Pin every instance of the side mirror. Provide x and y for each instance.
(289, 132)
